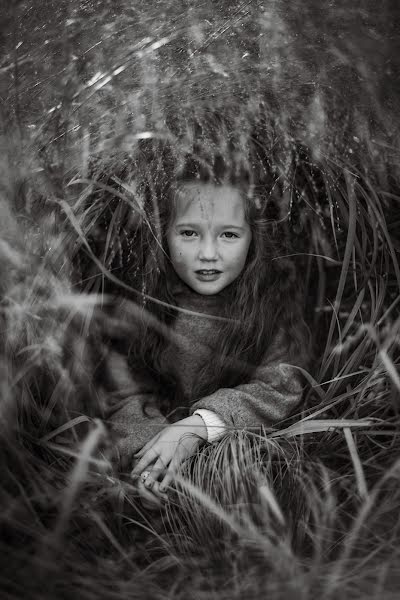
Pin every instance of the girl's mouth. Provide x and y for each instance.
(208, 274)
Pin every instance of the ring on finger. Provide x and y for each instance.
(144, 475)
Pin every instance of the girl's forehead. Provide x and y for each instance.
(205, 201)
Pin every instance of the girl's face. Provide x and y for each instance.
(209, 236)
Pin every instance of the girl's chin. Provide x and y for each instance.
(209, 288)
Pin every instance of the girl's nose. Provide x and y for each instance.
(208, 249)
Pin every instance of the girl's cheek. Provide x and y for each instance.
(179, 255)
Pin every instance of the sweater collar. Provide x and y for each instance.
(188, 298)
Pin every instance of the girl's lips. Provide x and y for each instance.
(208, 274)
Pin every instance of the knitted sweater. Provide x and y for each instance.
(270, 396)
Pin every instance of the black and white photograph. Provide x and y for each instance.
(199, 300)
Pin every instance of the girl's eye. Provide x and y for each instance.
(188, 233)
(230, 235)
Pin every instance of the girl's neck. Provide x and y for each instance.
(188, 298)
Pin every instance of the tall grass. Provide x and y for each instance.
(309, 510)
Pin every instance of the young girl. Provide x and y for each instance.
(221, 330)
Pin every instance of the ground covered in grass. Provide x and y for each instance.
(310, 510)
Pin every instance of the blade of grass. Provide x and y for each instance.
(358, 470)
(319, 425)
(78, 477)
(351, 232)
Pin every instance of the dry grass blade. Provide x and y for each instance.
(351, 234)
(358, 469)
(65, 427)
(62, 450)
(390, 367)
(112, 539)
(334, 578)
(268, 496)
(305, 427)
(77, 477)
(206, 501)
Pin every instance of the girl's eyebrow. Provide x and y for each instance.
(194, 225)
(237, 227)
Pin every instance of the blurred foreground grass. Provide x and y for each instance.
(310, 511)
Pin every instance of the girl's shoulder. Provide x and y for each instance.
(289, 346)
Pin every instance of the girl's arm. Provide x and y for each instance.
(272, 394)
(134, 421)
(133, 413)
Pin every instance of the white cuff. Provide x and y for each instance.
(214, 424)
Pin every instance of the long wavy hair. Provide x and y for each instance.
(263, 302)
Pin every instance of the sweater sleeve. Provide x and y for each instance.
(133, 414)
(134, 421)
(215, 426)
(271, 395)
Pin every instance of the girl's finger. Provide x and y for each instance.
(147, 445)
(170, 474)
(157, 492)
(149, 457)
(156, 470)
(150, 499)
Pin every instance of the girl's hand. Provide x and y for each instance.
(148, 499)
(163, 454)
